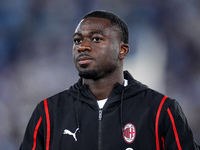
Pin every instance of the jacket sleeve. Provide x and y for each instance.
(34, 134)
(176, 134)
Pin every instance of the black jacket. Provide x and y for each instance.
(134, 117)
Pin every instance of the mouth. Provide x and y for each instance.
(84, 59)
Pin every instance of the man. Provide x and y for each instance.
(106, 109)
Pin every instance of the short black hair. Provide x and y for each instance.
(114, 20)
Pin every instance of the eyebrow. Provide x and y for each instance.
(77, 34)
(91, 33)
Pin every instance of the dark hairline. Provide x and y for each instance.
(114, 20)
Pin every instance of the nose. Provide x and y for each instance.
(84, 46)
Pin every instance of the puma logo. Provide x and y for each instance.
(66, 131)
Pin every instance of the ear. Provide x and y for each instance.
(123, 51)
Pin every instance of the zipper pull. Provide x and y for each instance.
(100, 114)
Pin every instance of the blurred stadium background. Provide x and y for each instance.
(36, 61)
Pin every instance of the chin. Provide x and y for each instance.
(89, 74)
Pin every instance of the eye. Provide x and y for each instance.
(96, 39)
(77, 40)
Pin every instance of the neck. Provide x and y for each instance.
(102, 88)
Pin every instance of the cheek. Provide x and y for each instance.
(111, 48)
(74, 51)
(114, 51)
(109, 56)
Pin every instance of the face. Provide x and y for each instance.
(96, 48)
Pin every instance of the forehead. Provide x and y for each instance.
(92, 24)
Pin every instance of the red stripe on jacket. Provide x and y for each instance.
(157, 120)
(35, 133)
(48, 124)
(174, 129)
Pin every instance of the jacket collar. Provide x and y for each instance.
(133, 88)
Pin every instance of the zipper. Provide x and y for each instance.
(100, 130)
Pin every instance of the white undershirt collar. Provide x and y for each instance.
(102, 102)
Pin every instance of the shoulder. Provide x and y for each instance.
(159, 103)
(59, 99)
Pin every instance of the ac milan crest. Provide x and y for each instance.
(129, 133)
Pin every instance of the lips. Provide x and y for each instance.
(84, 59)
